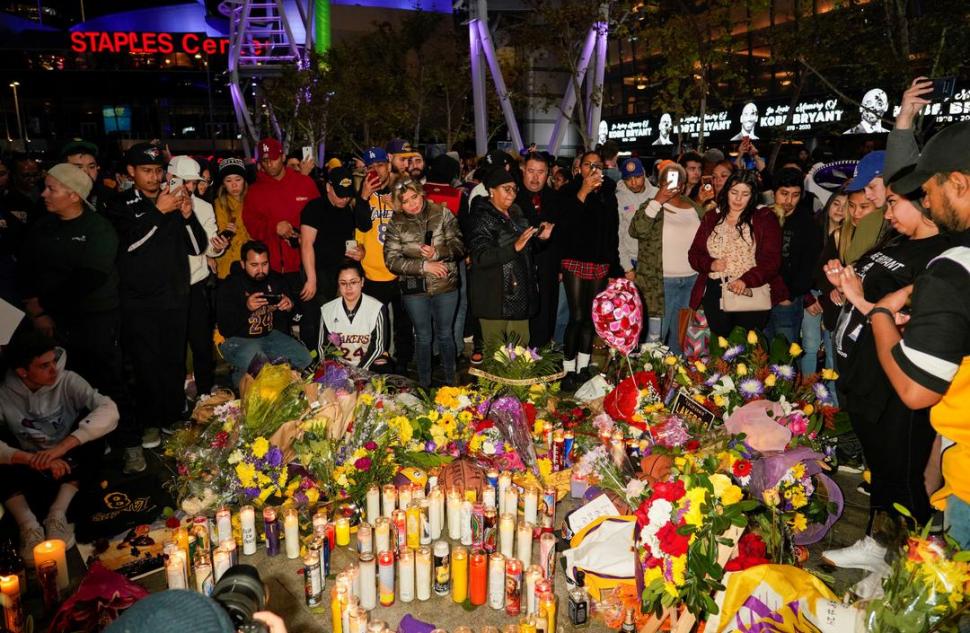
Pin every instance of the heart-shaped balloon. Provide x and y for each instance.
(618, 315)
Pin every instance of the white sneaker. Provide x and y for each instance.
(870, 587)
(30, 537)
(865, 554)
(57, 527)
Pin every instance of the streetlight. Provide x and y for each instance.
(16, 105)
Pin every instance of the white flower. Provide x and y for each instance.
(235, 457)
(488, 448)
(464, 402)
(724, 387)
(659, 513)
(634, 488)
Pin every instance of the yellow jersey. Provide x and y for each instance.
(373, 240)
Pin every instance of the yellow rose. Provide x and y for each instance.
(770, 380)
(699, 366)
(795, 350)
(720, 483)
(260, 447)
(830, 374)
(752, 337)
(722, 342)
(670, 361)
(732, 495)
(742, 369)
(770, 497)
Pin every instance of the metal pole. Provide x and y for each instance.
(16, 106)
(596, 105)
(478, 78)
(569, 99)
(485, 41)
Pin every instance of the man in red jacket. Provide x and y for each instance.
(272, 214)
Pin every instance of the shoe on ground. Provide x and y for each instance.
(571, 382)
(851, 467)
(865, 554)
(57, 527)
(134, 461)
(870, 587)
(863, 488)
(30, 537)
(151, 437)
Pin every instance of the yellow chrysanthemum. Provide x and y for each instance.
(752, 337)
(720, 483)
(678, 570)
(799, 523)
(808, 409)
(741, 369)
(433, 415)
(476, 444)
(670, 361)
(798, 470)
(696, 498)
(545, 467)
(312, 496)
(405, 431)
(281, 481)
(770, 380)
(246, 473)
(260, 447)
(798, 500)
(465, 417)
(365, 399)
(830, 374)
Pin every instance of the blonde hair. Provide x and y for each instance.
(400, 188)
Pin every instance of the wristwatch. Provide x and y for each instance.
(883, 310)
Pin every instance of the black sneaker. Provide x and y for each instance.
(863, 487)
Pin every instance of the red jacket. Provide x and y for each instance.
(767, 255)
(445, 195)
(269, 202)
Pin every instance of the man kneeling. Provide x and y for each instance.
(250, 301)
(54, 425)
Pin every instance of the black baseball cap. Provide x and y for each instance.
(144, 154)
(944, 153)
(342, 181)
(79, 146)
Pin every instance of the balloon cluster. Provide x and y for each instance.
(618, 315)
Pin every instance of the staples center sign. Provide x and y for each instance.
(150, 43)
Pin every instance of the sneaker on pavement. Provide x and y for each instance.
(870, 587)
(865, 553)
(57, 527)
(151, 438)
(134, 461)
(863, 488)
(30, 537)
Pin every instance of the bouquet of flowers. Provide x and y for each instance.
(272, 399)
(370, 463)
(518, 368)
(926, 589)
(635, 399)
(260, 473)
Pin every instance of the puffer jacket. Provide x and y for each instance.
(502, 281)
(405, 236)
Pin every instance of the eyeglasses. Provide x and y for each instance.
(509, 189)
(589, 165)
(350, 284)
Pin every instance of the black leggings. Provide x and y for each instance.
(722, 322)
(580, 294)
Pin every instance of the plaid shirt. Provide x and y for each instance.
(585, 270)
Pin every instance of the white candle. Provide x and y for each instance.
(511, 501)
(203, 578)
(406, 575)
(373, 503)
(532, 575)
(496, 581)
(221, 562)
(224, 524)
(54, 550)
(365, 539)
(175, 571)
(422, 562)
(368, 581)
(530, 504)
(436, 512)
(547, 554)
(247, 521)
(504, 483)
(523, 549)
(506, 535)
(291, 533)
(466, 522)
(389, 499)
(488, 497)
(454, 515)
(353, 573)
(404, 496)
(382, 535)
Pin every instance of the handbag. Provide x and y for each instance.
(696, 338)
(752, 300)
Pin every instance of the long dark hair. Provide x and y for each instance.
(741, 177)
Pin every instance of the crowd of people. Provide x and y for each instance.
(135, 282)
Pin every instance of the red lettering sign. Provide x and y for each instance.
(151, 43)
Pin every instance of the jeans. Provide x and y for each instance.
(814, 335)
(562, 315)
(957, 518)
(433, 316)
(786, 320)
(240, 351)
(676, 298)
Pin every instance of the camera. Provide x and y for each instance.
(272, 298)
(294, 241)
(227, 235)
(242, 593)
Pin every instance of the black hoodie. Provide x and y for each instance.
(232, 314)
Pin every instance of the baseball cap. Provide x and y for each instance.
(498, 157)
(944, 153)
(73, 178)
(144, 154)
(173, 610)
(232, 166)
(270, 148)
(632, 167)
(342, 181)
(374, 155)
(79, 146)
(333, 163)
(401, 147)
(185, 167)
(869, 167)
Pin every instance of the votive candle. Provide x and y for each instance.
(523, 550)
(406, 575)
(373, 503)
(247, 521)
(506, 535)
(478, 577)
(291, 532)
(422, 572)
(54, 550)
(343, 532)
(459, 574)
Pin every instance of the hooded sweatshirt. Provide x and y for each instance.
(40, 419)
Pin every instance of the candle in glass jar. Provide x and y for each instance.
(504, 483)
(466, 522)
(382, 534)
(203, 577)
(459, 574)
(47, 579)
(523, 550)
(247, 521)
(436, 512)
(478, 577)
(54, 550)
(413, 523)
(373, 503)
(496, 581)
(319, 522)
(352, 603)
(221, 562)
(271, 528)
(442, 568)
(230, 548)
(368, 581)
(405, 568)
(336, 608)
(13, 612)
(422, 573)
(530, 505)
(488, 497)
(506, 535)
(454, 515)
(513, 586)
(512, 501)
(385, 578)
(532, 576)
(404, 496)
(547, 554)
(389, 499)
(365, 539)
(291, 532)
(224, 524)
(343, 532)
(353, 574)
(547, 605)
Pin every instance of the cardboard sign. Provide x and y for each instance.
(690, 410)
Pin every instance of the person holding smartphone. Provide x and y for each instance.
(589, 238)
(252, 306)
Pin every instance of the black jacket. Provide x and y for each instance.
(589, 231)
(153, 250)
(232, 314)
(550, 210)
(501, 281)
(801, 244)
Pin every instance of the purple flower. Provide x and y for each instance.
(252, 493)
(274, 457)
(534, 354)
(300, 498)
(710, 382)
(751, 388)
(732, 352)
(509, 405)
(430, 446)
(822, 393)
(672, 433)
(785, 372)
(334, 339)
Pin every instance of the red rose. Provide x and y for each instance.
(363, 464)
(668, 491)
(672, 543)
(172, 523)
(530, 411)
(642, 512)
(692, 445)
(751, 551)
(741, 468)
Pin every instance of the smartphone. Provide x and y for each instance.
(708, 182)
(307, 152)
(428, 235)
(943, 89)
(272, 298)
(174, 183)
(373, 177)
(673, 179)
(350, 245)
